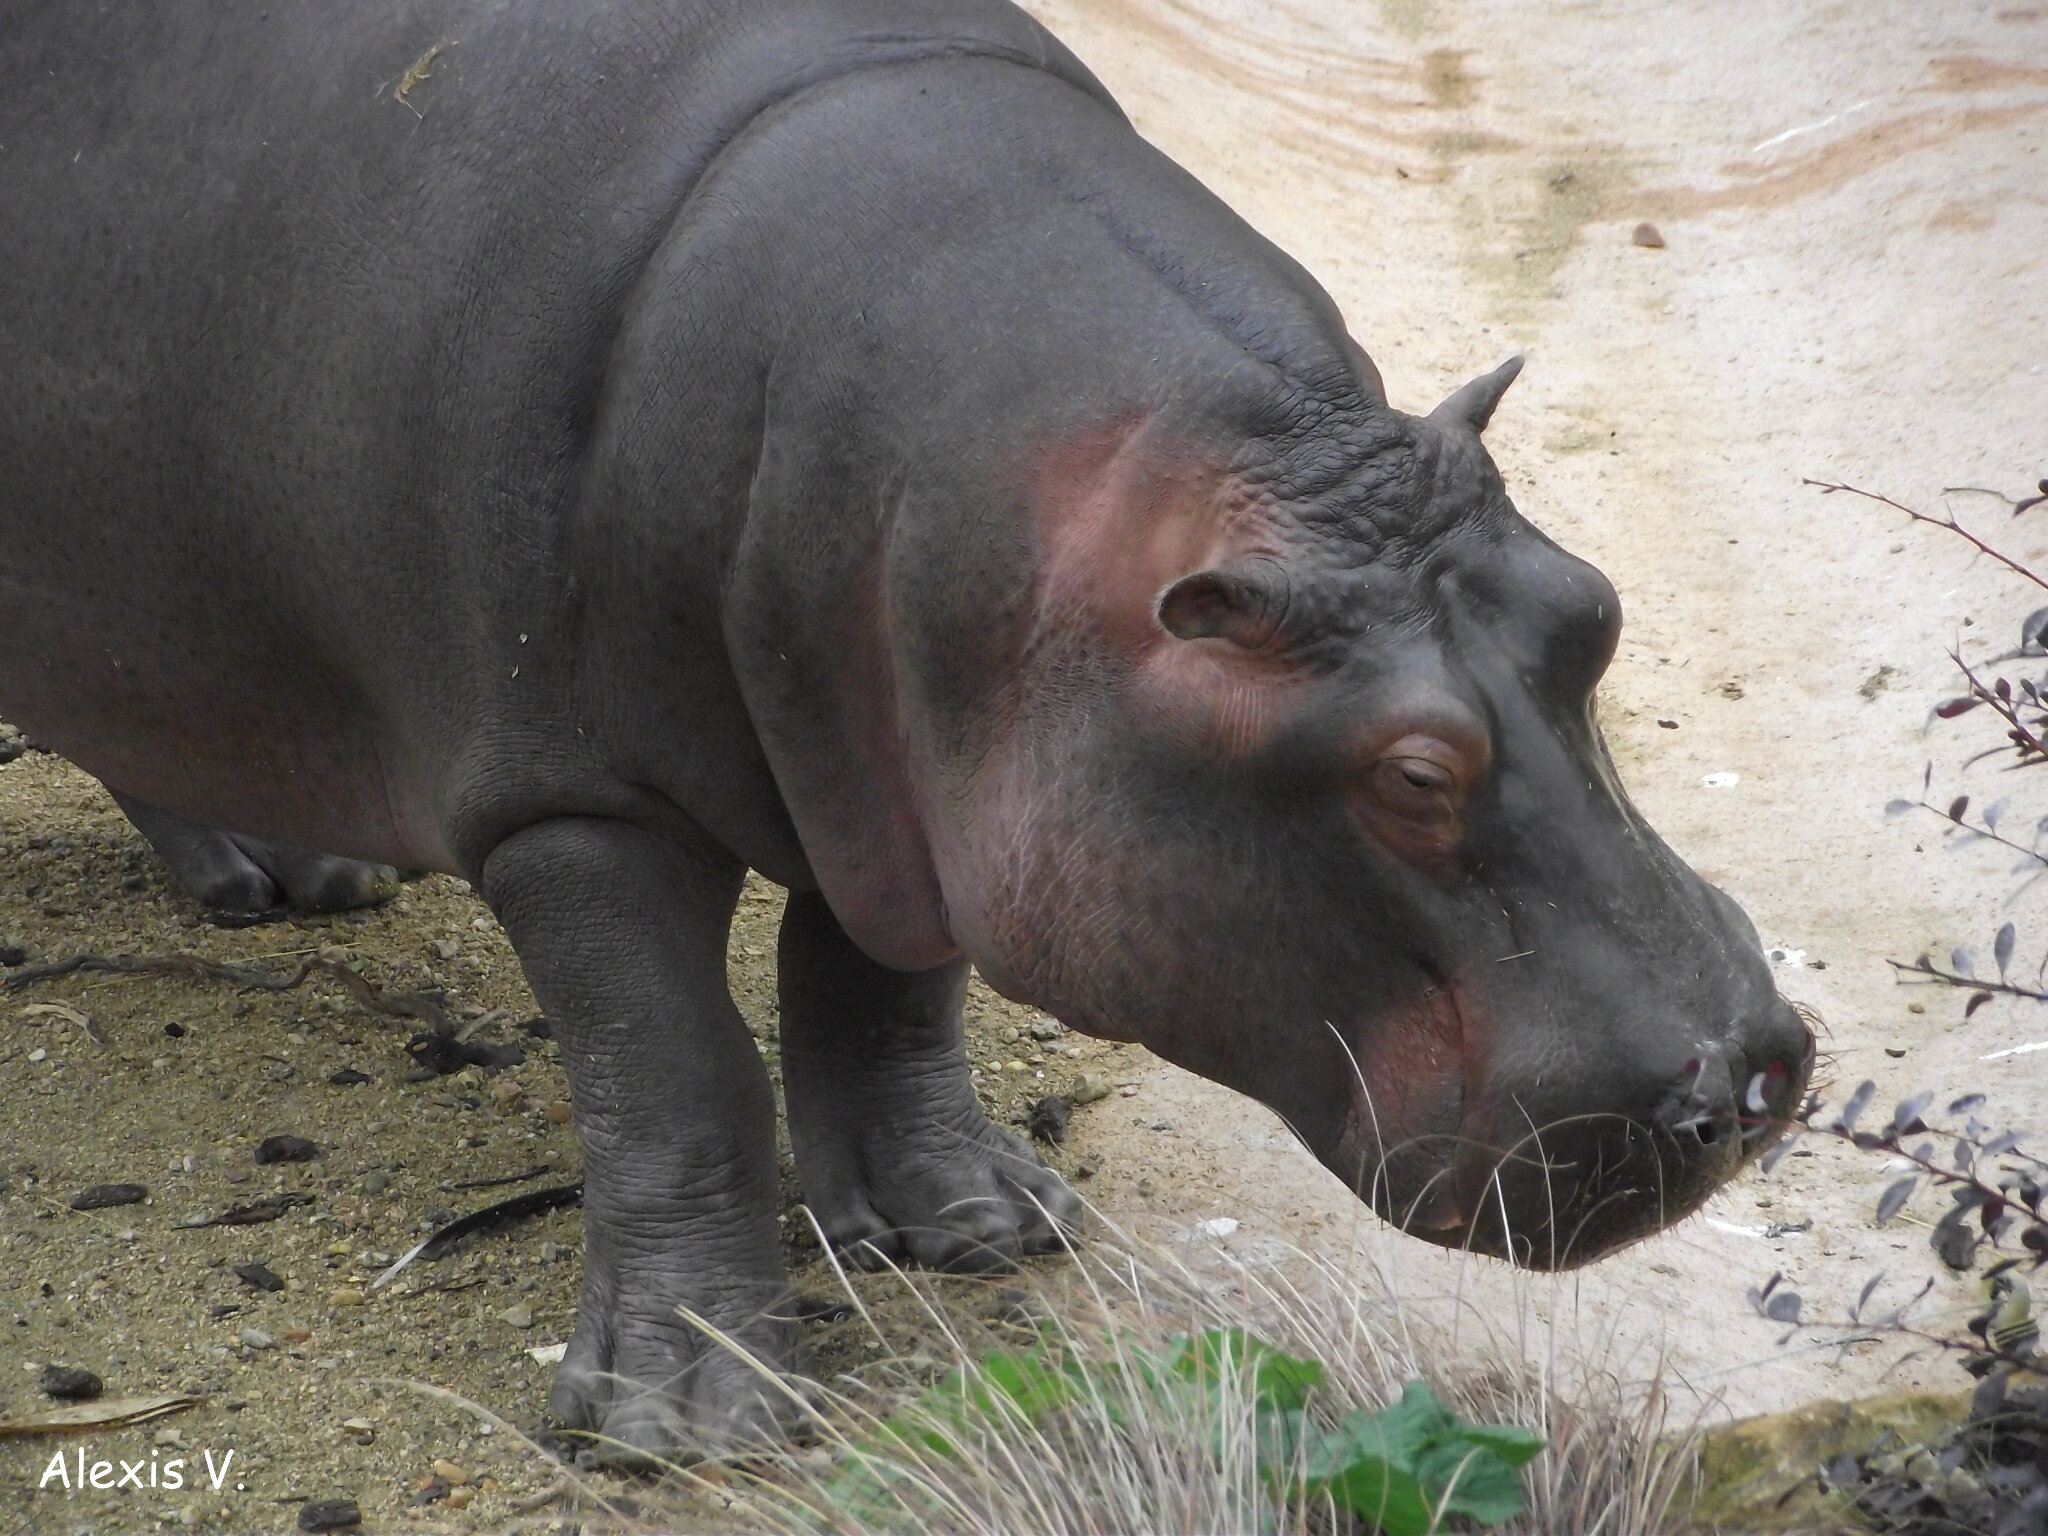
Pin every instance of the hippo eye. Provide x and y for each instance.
(1412, 793)
(1414, 786)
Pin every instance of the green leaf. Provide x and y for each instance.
(1510, 1442)
(1278, 1379)
(1412, 1463)
(1032, 1387)
(1280, 1434)
(1465, 1479)
(1003, 1385)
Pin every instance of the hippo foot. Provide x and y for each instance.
(650, 1390)
(945, 1190)
(899, 1164)
(247, 874)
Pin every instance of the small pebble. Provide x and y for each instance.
(256, 1338)
(520, 1316)
(259, 1277)
(329, 1515)
(69, 1383)
(458, 1498)
(376, 1182)
(285, 1149)
(558, 1112)
(1088, 1087)
(349, 1077)
(1648, 236)
(349, 1296)
(447, 949)
(451, 1473)
(39, 1054)
(362, 1431)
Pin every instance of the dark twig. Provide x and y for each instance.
(509, 1178)
(2008, 709)
(253, 1214)
(423, 1006)
(1829, 487)
(438, 1242)
(1987, 831)
(1927, 970)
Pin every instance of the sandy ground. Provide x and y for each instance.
(1854, 201)
(1855, 208)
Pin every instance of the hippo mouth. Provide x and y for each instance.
(1442, 1158)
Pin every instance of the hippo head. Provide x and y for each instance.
(1296, 779)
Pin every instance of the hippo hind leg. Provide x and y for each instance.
(897, 1159)
(247, 874)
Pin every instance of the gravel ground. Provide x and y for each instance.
(174, 1083)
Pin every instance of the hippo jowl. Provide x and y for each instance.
(597, 449)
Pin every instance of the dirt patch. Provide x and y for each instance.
(173, 1084)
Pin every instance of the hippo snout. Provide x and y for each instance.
(1733, 1097)
(1556, 1190)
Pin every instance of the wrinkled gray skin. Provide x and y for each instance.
(658, 440)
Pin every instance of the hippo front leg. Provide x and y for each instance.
(897, 1159)
(622, 936)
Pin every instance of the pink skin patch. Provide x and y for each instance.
(1123, 512)
(1418, 1072)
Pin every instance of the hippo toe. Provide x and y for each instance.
(248, 874)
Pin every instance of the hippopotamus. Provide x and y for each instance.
(602, 449)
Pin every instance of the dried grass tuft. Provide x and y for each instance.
(1142, 1462)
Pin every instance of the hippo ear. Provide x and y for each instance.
(1472, 406)
(1242, 604)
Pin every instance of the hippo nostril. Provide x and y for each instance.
(1706, 1129)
